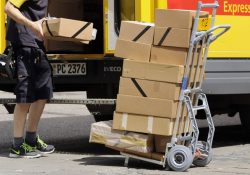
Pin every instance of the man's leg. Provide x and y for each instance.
(35, 113)
(20, 114)
(19, 148)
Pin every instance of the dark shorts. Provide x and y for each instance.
(34, 77)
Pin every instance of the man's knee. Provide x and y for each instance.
(24, 107)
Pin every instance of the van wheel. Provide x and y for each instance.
(10, 108)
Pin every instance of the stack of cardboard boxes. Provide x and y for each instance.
(154, 64)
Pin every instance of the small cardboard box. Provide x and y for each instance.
(143, 124)
(137, 32)
(68, 29)
(153, 71)
(173, 37)
(176, 18)
(147, 88)
(132, 50)
(146, 106)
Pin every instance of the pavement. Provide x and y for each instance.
(68, 127)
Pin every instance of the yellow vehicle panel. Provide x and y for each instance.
(2, 27)
(233, 44)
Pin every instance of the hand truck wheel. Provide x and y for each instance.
(179, 158)
(203, 160)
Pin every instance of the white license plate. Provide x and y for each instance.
(69, 68)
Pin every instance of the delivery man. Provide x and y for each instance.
(34, 80)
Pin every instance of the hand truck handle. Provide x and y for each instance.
(210, 32)
(209, 5)
(225, 29)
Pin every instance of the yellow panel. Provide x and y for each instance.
(144, 10)
(235, 43)
(161, 4)
(2, 27)
(106, 28)
(127, 9)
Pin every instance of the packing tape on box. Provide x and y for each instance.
(141, 33)
(164, 36)
(124, 120)
(150, 124)
(81, 30)
(138, 87)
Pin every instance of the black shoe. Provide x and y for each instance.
(43, 147)
(24, 151)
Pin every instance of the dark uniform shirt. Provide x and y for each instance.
(20, 35)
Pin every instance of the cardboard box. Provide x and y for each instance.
(137, 32)
(153, 71)
(70, 30)
(173, 37)
(103, 133)
(146, 106)
(132, 50)
(176, 18)
(169, 55)
(172, 56)
(143, 124)
(148, 88)
(161, 143)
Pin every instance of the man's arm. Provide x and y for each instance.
(17, 16)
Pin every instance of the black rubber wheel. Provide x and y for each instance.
(10, 108)
(245, 118)
(202, 162)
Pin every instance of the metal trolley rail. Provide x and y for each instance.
(185, 149)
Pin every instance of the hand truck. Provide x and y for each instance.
(185, 149)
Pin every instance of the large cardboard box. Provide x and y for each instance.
(102, 133)
(148, 88)
(169, 55)
(153, 71)
(173, 37)
(146, 106)
(132, 50)
(70, 30)
(143, 124)
(173, 56)
(176, 18)
(137, 32)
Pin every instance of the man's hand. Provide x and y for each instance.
(36, 28)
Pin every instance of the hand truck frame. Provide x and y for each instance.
(185, 149)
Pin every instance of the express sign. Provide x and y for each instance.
(227, 7)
